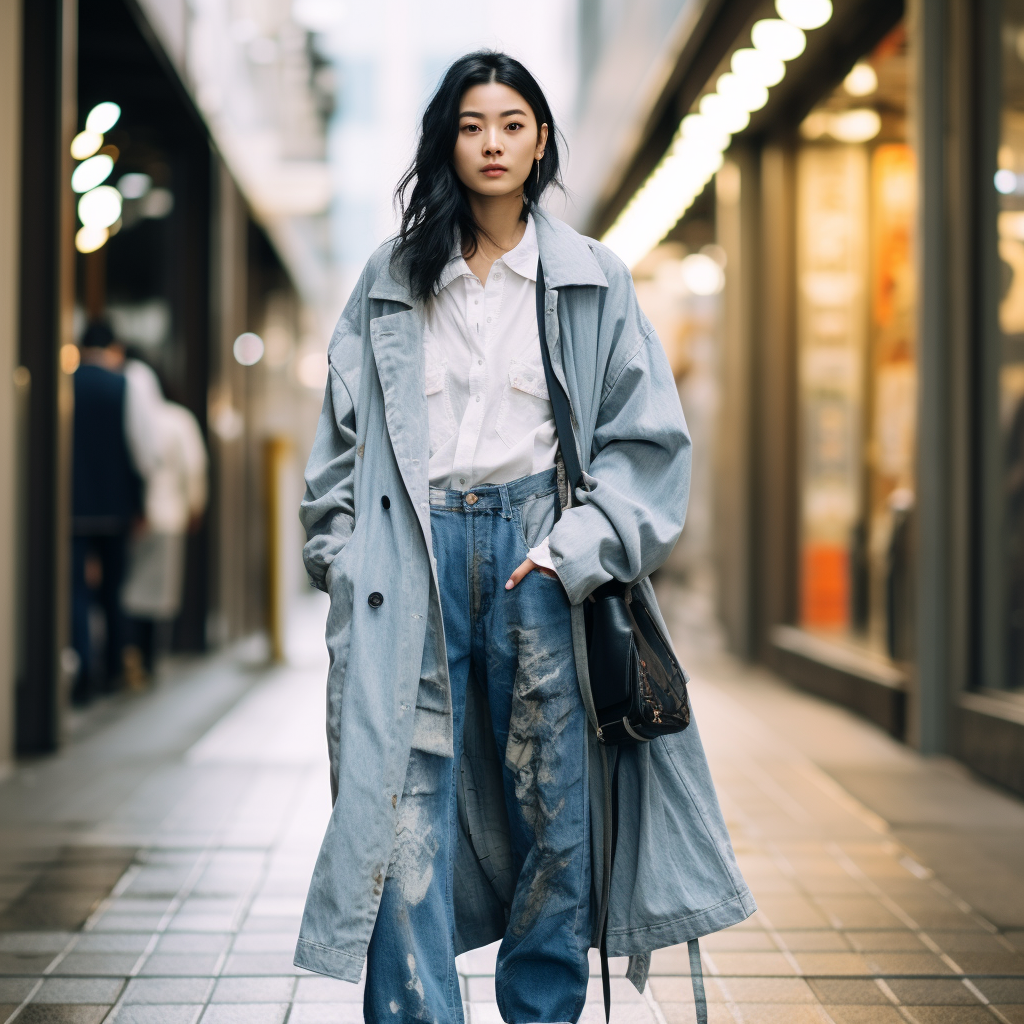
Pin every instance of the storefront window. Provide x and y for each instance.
(1009, 184)
(857, 375)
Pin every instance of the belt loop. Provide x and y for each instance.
(506, 505)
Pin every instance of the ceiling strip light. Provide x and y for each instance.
(695, 154)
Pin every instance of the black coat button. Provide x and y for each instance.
(375, 600)
(386, 501)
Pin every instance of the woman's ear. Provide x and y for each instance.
(542, 141)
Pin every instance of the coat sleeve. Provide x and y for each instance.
(628, 521)
(327, 512)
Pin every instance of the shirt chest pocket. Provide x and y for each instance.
(439, 403)
(525, 404)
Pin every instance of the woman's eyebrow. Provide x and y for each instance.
(504, 113)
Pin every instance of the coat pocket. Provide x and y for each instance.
(525, 404)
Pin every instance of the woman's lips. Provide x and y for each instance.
(494, 171)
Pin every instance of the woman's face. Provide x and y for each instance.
(498, 140)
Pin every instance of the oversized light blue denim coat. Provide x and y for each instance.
(675, 876)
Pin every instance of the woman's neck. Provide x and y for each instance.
(500, 228)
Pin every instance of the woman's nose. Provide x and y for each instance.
(493, 146)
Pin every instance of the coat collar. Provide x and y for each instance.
(566, 254)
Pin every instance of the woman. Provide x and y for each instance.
(467, 780)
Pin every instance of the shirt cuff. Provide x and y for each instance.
(541, 555)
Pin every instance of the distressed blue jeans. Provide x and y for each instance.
(517, 647)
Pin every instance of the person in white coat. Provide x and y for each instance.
(167, 445)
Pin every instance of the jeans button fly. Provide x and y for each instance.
(471, 499)
(375, 600)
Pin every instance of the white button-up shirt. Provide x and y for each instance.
(490, 416)
(487, 400)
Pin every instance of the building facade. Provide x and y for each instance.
(195, 254)
(858, 174)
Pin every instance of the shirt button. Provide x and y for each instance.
(478, 398)
(497, 277)
(462, 479)
(375, 600)
(488, 319)
(479, 362)
(385, 501)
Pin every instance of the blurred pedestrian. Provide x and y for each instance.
(462, 756)
(173, 460)
(106, 500)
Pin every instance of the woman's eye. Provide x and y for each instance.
(514, 126)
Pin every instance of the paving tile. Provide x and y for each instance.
(266, 942)
(141, 1013)
(194, 942)
(951, 1014)
(254, 923)
(684, 1013)
(932, 992)
(753, 964)
(33, 942)
(832, 963)
(13, 963)
(862, 912)
(1014, 1014)
(128, 923)
(767, 990)
(79, 990)
(861, 1014)
(113, 964)
(327, 990)
(814, 941)
(184, 922)
(859, 992)
(253, 990)
(112, 942)
(168, 990)
(735, 941)
(967, 941)
(261, 963)
(330, 1013)
(793, 912)
(1002, 990)
(13, 990)
(906, 963)
(81, 1013)
(1000, 962)
(896, 940)
(780, 1013)
(244, 1013)
(181, 964)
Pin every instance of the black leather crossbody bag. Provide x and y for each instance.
(638, 686)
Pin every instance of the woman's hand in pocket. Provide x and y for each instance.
(525, 569)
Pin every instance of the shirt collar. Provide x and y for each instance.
(522, 260)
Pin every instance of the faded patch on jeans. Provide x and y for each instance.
(538, 718)
(416, 846)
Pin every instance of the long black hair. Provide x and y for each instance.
(437, 217)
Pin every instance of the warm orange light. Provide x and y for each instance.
(70, 357)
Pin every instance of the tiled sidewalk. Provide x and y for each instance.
(207, 834)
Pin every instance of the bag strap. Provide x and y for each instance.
(606, 983)
(697, 980)
(559, 399)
